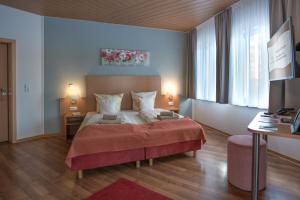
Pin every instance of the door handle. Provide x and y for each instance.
(3, 92)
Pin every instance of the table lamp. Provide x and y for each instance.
(73, 93)
(170, 92)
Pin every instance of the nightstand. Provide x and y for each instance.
(172, 108)
(72, 124)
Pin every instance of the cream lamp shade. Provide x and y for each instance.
(72, 92)
(170, 91)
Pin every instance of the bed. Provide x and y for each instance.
(134, 140)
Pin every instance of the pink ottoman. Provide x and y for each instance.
(239, 162)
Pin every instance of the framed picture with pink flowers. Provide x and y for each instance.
(124, 57)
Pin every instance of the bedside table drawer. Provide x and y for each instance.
(72, 124)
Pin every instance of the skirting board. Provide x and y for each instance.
(37, 137)
(284, 157)
(292, 160)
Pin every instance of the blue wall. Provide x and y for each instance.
(27, 30)
(72, 51)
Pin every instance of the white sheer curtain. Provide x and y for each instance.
(206, 61)
(249, 80)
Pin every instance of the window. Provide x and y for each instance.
(249, 76)
(206, 61)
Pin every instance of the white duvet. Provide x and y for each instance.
(127, 117)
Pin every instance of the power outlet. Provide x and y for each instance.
(171, 103)
(73, 108)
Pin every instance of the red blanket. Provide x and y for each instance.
(173, 131)
(119, 137)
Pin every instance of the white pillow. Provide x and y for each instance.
(108, 103)
(143, 100)
(149, 116)
(146, 103)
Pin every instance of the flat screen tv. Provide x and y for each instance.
(281, 52)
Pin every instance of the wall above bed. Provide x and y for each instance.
(72, 49)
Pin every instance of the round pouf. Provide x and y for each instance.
(239, 162)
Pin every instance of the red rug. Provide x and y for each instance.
(124, 189)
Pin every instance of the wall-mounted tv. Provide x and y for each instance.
(281, 52)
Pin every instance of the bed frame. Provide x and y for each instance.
(104, 84)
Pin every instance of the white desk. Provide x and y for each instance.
(254, 128)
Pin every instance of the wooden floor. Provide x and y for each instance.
(36, 170)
